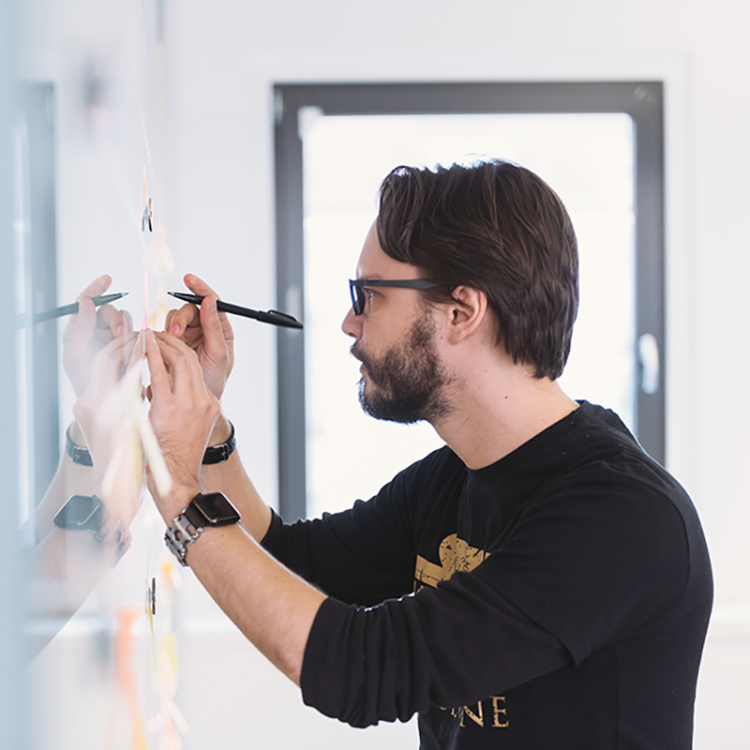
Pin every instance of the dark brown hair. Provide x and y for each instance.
(499, 228)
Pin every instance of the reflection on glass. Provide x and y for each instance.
(88, 148)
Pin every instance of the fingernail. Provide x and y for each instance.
(175, 330)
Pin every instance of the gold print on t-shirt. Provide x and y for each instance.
(498, 713)
(455, 555)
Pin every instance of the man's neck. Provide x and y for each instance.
(493, 414)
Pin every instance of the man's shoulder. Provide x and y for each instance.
(435, 467)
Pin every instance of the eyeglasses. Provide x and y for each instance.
(358, 296)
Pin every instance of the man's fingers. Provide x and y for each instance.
(178, 321)
(160, 383)
(197, 286)
(176, 364)
(114, 320)
(134, 353)
(110, 361)
(180, 360)
(215, 328)
(79, 328)
(97, 287)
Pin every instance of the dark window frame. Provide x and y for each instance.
(642, 100)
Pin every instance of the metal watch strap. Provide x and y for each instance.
(218, 453)
(111, 532)
(209, 510)
(180, 535)
(103, 526)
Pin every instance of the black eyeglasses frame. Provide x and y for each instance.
(358, 296)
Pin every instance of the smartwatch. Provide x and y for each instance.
(87, 513)
(82, 512)
(204, 512)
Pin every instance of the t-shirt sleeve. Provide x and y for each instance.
(447, 647)
(363, 555)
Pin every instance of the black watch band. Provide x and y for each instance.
(213, 455)
(77, 454)
(218, 453)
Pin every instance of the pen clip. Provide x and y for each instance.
(283, 315)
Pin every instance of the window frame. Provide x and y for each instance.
(642, 100)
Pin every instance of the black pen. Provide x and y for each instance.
(71, 309)
(271, 316)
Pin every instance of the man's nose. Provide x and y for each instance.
(351, 325)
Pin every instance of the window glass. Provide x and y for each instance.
(586, 158)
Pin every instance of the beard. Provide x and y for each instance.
(408, 381)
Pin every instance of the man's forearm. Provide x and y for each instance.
(70, 479)
(231, 478)
(272, 606)
(61, 572)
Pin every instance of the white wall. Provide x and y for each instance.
(222, 59)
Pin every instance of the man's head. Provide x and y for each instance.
(499, 228)
(403, 377)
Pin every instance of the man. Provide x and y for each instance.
(537, 583)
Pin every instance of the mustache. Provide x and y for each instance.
(372, 368)
(356, 352)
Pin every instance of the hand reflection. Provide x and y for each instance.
(90, 330)
(83, 529)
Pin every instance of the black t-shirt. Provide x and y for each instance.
(558, 598)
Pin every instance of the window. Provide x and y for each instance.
(598, 145)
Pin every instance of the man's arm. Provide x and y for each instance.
(391, 654)
(209, 334)
(70, 479)
(86, 334)
(231, 478)
(77, 548)
(272, 606)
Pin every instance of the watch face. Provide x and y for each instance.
(80, 512)
(216, 509)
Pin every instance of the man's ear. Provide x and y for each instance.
(466, 313)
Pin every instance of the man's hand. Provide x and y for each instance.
(206, 331)
(183, 412)
(89, 331)
(95, 411)
(104, 415)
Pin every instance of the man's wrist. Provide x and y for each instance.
(76, 433)
(223, 430)
(204, 511)
(179, 498)
(75, 446)
(216, 454)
